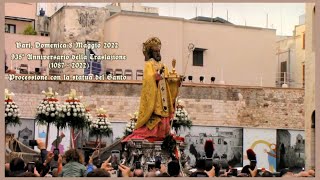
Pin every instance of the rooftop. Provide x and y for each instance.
(199, 19)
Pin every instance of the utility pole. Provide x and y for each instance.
(196, 12)
(211, 12)
(267, 25)
(227, 15)
(281, 20)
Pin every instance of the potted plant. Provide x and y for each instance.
(73, 114)
(49, 111)
(12, 112)
(101, 126)
(131, 124)
(181, 117)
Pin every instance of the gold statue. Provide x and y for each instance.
(101, 111)
(8, 95)
(159, 91)
(73, 95)
(50, 93)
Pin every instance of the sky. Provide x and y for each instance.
(281, 16)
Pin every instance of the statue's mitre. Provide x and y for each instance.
(154, 41)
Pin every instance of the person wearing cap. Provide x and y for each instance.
(251, 169)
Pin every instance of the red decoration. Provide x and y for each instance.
(9, 100)
(178, 138)
(51, 99)
(102, 115)
(72, 100)
(251, 155)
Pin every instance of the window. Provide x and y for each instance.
(313, 28)
(95, 65)
(44, 34)
(303, 74)
(313, 120)
(303, 41)
(198, 56)
(6, 28)
(10, 28)
(219, 141)
(201, 141)
(46, 26)
(283, 67)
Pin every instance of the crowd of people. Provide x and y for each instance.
(71, 164)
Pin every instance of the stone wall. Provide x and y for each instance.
(57, 24)
(310, 86)
(213, 105)
(76, 24)
(300, 57)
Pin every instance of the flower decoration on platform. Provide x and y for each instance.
(89, 118)
(181, 117)
(73, 96)
(12, 112)
(134, 115)
(73, 111)
(131, 123)
(49, 109)
(101, 125)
